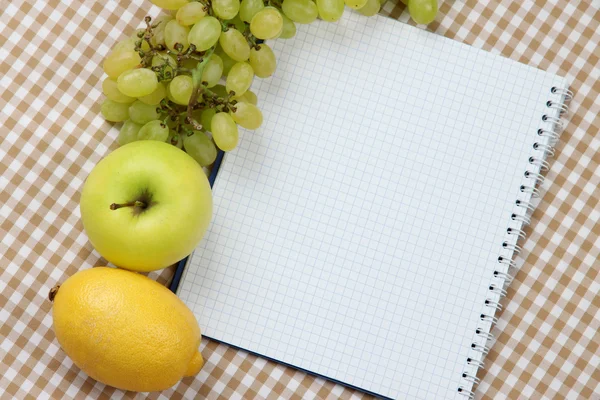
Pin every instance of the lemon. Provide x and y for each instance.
(126, 330)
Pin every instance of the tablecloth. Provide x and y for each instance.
(52, 135)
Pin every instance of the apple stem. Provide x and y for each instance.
(137, 203)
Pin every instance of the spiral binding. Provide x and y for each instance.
(548, 136)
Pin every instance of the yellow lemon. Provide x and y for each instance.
(126, 330)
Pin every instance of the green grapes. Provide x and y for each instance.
(128, 132)
(181, 88)
(125, 45)
(201, 148)
(212, 71)
(226, 9)
(355, 4)
(164, 80)
(370, 8)
(330, 10)
(247, 115)
(423, 11)
(120, 61)
(266, 23)
(137, 82)
(262, 60)
(206, 117)
(225, 131)
(289, 28)
(238, 23)
(235, 45)
(176, 33)
(248, 8)
(175, 139)
(170, 4)
(301, 11)
(190, 13)
(189, 63)
(159, 31)
(249, 97)
(113, 111)
(228, 62)
(155, 97)
(110, 90)
(142, 113)
(239, 78)
(220, 91)
(154, 130)
(205, 33)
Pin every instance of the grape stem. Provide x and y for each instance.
(198, 88)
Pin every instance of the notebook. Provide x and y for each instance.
(367, 231)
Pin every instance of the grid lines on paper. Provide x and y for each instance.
(356, 233)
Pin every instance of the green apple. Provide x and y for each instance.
(146, 205)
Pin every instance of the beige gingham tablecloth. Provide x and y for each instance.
(52, 135)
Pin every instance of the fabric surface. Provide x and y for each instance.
(52, 135)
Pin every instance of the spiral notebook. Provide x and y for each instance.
(367, 231)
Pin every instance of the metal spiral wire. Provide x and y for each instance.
(548, 135)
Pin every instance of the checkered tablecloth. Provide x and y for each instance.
(52, 135)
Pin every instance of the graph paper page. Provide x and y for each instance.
(356, 233)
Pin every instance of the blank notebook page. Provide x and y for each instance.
(356, 233)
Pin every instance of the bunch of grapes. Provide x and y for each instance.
(185, 78)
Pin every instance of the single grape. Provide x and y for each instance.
(143, 45)
(289, 28)
(128, 132)
(201, 148)
(113, 111)
(239, 78)
(206, 116)
(262, 60)
(266, 23)
(181, 88)
(141, 113)
(118, 62)
(212, 71)
(190, 13)
(169, 95)
(205, 33)
(219, 90)
(110, 90)
(370, 8)
(228, 62)
(250, 7)
(238, 23)
(331, 10)
(137, 82)
(301, 11)
(226, 9)
(248, 97)
(422, 11)
(247, 115)
(176, 33)
(235, 45)
(189, 63)
(159, 31)
(355, 4)
(125, 44)
(225, 131)
(170, 4)
(175, 139)
(154, 130)
(155, 97)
